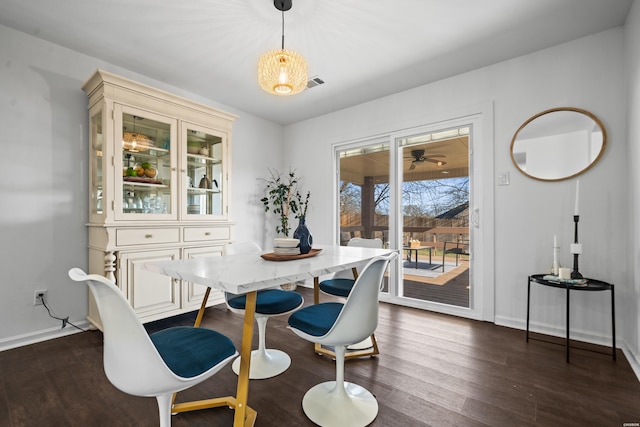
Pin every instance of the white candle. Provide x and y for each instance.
(575, 211)
(554, 266)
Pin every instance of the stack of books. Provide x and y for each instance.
(286, 251)
(286, 246)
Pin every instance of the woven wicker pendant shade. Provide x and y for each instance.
(282, 71)
(133, 141)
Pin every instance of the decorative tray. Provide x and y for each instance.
(141, 179)
(556, 279)
(277, 257)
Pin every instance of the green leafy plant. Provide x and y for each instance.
(303, 205)
(283, 199)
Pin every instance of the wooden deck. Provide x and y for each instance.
(450, 288)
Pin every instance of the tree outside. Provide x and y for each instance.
(419, 198)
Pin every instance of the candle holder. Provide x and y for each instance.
(576, 250)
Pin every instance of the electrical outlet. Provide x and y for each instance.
(39, 297)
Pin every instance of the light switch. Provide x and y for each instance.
(503, 178)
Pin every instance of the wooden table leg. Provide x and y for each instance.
(244, 415)
(202, 308)
(316, 300)
(242, 393)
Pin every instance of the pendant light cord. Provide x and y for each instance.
(283, 30)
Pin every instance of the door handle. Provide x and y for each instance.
(475, 218)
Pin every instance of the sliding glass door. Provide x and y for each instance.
(364, 191)
(414, 191)
(435, 216)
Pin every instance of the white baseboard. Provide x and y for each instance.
(42, 335)
(632, 358)
(577, 335)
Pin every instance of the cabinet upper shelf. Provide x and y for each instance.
(197, 190)
(198, 159)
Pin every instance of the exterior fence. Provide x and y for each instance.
(428, 230)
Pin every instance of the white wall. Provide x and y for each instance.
(527, 212)
(43, 169)
(43, 180)
(631, 321)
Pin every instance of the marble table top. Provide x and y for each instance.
(242, 273)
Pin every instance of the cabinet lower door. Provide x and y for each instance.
(194, 293)
(152, 296)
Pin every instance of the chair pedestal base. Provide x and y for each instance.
(369, 349)
(265, 364)
(362, 345)
(328, 407)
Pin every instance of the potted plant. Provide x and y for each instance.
(280, 199)
(284, 199)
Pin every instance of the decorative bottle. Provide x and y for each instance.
(302, 233)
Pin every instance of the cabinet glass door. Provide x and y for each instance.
(96, 158)
(204, 172)
(147, 164)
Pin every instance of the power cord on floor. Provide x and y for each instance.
(65, 321)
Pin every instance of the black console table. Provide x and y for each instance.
(591, 285)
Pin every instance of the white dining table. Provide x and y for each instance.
(247, 274)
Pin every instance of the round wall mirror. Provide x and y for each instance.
(557, 144)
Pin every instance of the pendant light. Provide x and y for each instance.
(135, 142)
(282, 71)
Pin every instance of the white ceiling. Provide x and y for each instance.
(362, 49)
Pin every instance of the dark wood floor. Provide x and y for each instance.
(453, 292)
(433, 370)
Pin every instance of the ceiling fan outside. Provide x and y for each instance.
(418, 156)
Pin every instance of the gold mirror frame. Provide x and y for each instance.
(545, 123)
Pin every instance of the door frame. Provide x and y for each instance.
(481, 201)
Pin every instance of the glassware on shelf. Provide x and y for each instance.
(146, 171)
(204, 169)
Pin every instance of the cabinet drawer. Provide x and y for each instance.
(198, 234)
(145, 236)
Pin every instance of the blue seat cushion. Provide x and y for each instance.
(268, 301)
(316, 319)
(337, 287)
(190, 351)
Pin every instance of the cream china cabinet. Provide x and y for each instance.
(158, 190)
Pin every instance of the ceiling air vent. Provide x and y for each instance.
(314, 81)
